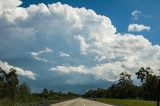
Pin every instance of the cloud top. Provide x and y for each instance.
(97, 48)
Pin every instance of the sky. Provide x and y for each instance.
(76, 45)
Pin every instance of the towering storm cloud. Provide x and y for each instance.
(83, 42)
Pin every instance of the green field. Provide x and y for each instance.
(127, 102)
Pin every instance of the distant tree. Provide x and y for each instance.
(23, 92)
(113, 91)
(24, 89)
(51, 92)
(45, 93)
(71, 95)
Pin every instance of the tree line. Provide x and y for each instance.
(125, 88)
(14, 91)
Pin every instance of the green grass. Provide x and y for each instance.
(127, 102)
(36, 102)
(8, 102)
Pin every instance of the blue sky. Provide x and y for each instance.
(76, 45)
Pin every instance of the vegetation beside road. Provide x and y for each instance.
(127, 102)
(126, 89)
(14, 93)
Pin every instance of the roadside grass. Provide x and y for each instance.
(127, 102)
(7, 102)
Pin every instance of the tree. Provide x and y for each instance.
(45, 93)
(24, 89)
(2, 83)
(113, 91)
(24, 92)
(8, 84)
(125, 78)
(12, 83)
(143, 73)
(149, 82)
(125, 87)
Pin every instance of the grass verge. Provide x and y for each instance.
(7, 102)
(127, 102)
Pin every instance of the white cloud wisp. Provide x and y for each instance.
(138, 28)
(37, 55)
(136, 14)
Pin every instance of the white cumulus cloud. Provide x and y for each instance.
(97, 48)
(27, 73)
(138, 28)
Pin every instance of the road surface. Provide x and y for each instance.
(80, 102)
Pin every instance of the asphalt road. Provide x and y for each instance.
(80, 102)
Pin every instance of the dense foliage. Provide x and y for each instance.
(12, 91)
(126, 89)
